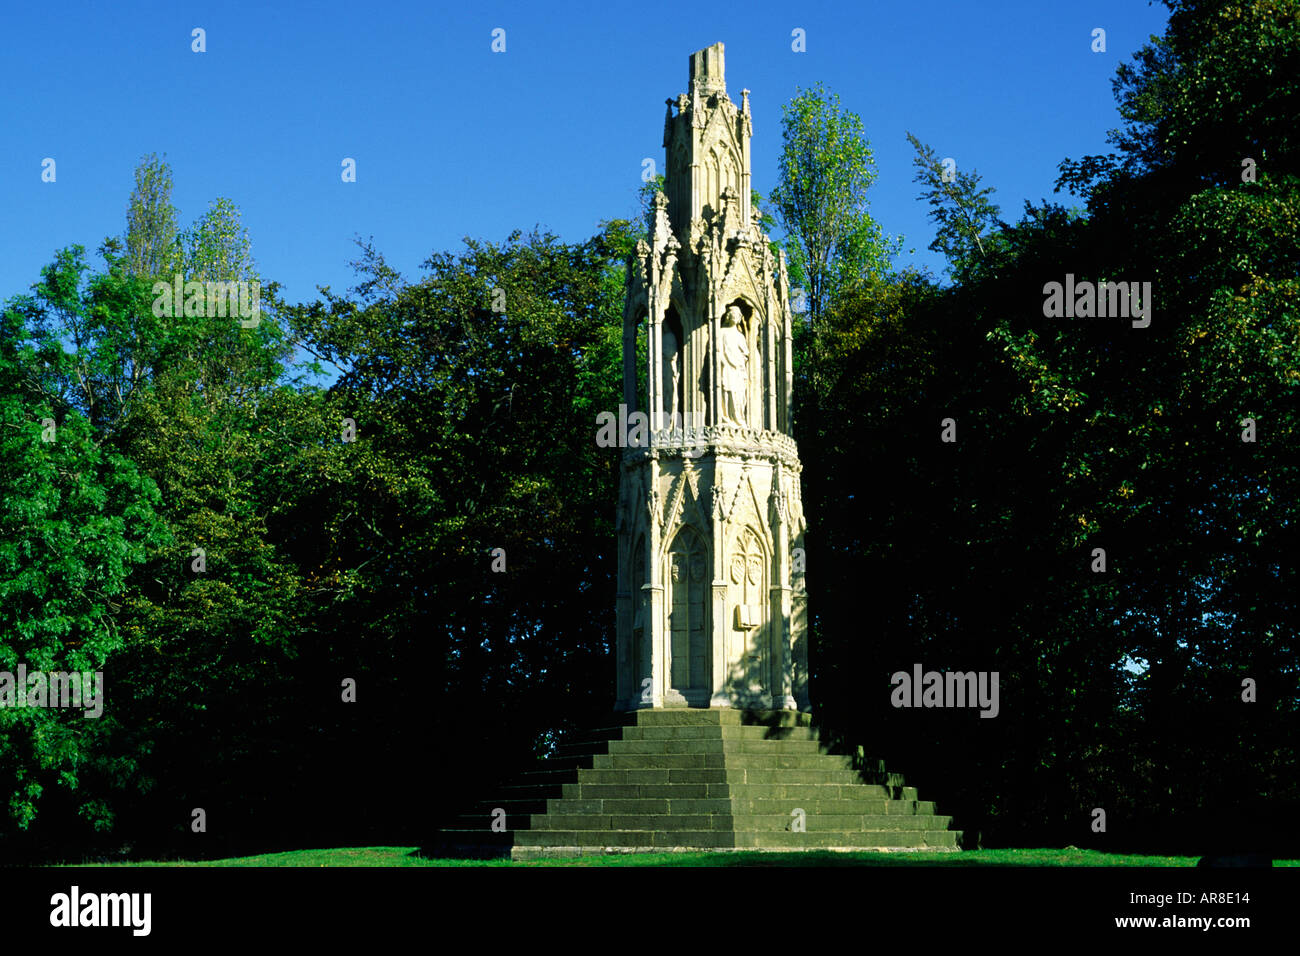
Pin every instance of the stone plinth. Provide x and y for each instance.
(699, 779)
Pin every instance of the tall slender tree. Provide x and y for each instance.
(959, 206)
(152, 238)
(820, 200)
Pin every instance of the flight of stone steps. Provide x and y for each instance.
(697, 780)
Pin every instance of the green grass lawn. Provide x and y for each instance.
(408, 856)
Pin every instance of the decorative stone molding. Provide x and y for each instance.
(730, 440)
(707, 334)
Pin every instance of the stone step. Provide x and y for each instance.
(597, 791)
(811, 799)
(892, 780)
(864, 805)
(573, 754)
(704, 761)
(733, 747)
(721, 839)
(840, 822)
(789, 790)
(626, 839)
(709, 775)
(626, 806)
(821, 791)
(796, 792)
(820, 761)
(732, 805)
(724, 732)
(855, 839)
(715, 717)
(707, 779)
(700, 746)
(651, 822)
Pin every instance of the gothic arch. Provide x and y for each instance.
(640, 615)
(679, 186)
(749, 579)
(697, 499)
(722, 170)
(687, 648)
(641, 352)
(756, 341)
(673, 359)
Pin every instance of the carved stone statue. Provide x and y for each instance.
(671, 376)
(735, 367)
(710, 612)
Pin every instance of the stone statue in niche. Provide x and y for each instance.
(735, 367)
(671, 376)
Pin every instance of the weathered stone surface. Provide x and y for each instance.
(712, 611)
(711, 605)
(747, 801)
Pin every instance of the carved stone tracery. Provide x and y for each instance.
(717, 484)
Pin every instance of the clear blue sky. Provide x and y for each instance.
(451, 139)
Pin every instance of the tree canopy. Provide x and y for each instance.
(1104, 514)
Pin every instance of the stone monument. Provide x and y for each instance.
(712, 610)
(712, 747)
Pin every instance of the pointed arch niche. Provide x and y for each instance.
(688, 663)
(749, 579)
(674, 372)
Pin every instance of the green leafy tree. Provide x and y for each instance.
(826, 169)
(645, 199)
(959, 207)
(153, 247)
(74, 519)
(218, 247)
(1121, 688)
(209, 413)
(1212, 92)
(475, 391)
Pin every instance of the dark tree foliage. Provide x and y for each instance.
(435, 524)
(1120, 690)
(475, 393)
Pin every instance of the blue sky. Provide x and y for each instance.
(451, 139)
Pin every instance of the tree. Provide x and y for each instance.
(475, 392)
(217, 247)
(959, 206)
(1199, 101)
(826, 168)
(152, 243)
(645, 200)
(74, 519)
(1123, 683)
(206, 411)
